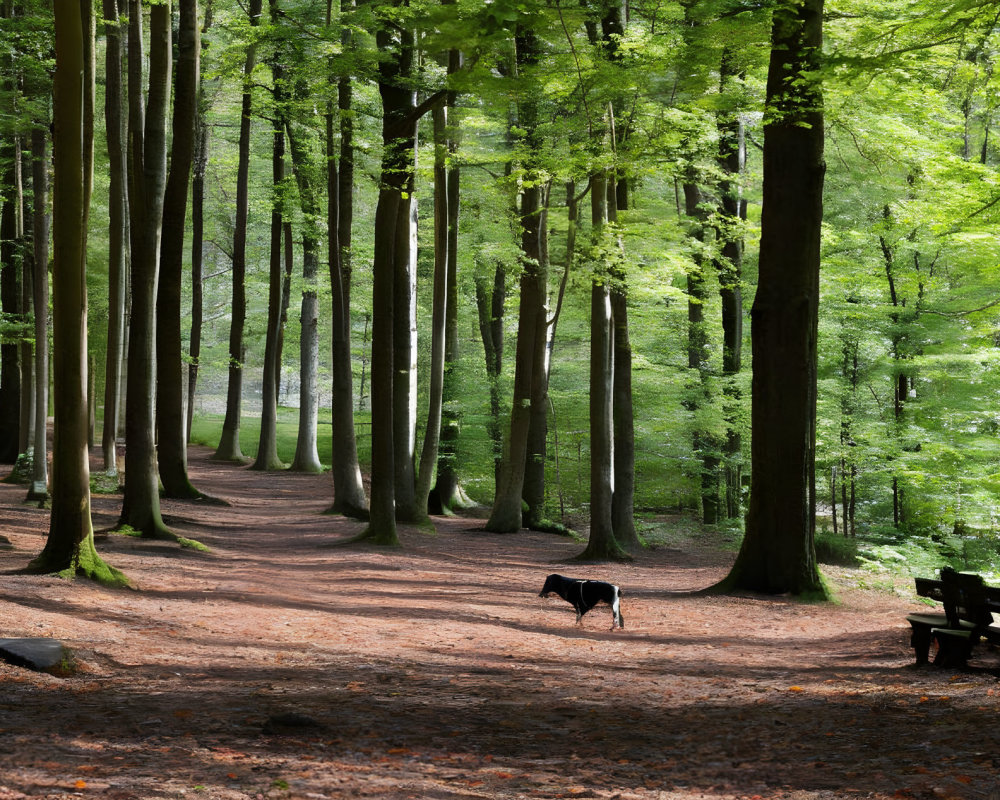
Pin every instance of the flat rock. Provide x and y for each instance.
(43, 655)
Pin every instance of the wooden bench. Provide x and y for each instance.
(969, 606)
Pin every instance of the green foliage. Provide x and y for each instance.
(838, 550)
(911, 95)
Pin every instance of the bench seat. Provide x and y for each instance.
(922, 632)
(955, 645)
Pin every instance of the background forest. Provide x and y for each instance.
(581, 145)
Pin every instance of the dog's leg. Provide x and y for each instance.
(616, 614)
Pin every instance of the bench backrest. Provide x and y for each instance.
(964, 598)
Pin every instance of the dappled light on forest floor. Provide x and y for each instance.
(277, 666)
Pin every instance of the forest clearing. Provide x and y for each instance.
(275, 665)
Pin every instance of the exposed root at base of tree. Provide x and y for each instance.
(613, 553)
(85, 563)
(349, 510)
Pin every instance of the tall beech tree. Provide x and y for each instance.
(171, 421)
(305, 171)
(778, 552)
(439, 321)
(198, 169)
(229, 443)
(38, 490)
(505, 516)
(348, 491)
(10, 303)
(391, 215)
(115, 119)
(602, 543)
(147, 183)
(404, 316)
(731, 217)
(69, 547)
(448, 494)
(267, 443)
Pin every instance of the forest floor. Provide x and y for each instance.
(277, 665)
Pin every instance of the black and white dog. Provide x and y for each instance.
(583, 595)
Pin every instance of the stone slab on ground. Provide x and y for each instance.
(43, 655)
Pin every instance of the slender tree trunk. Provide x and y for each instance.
(10, 295)
(306, 454)
(778, 551)
(118, 233)
(10, 266)
(490, 300)
(171, 421)
(602, 542)
(40, 287)
(533, 490)
(391, 214)
(505, 516)
(705, 444)
(229, 443)
(442, 216)
(70, 542)
(448, 493)
(732, 211)
(267, 447)
(348, 490)
(286, 299)
(404, 390)
(199, 167)
(147, 131)
(27, 294)
(623, 500)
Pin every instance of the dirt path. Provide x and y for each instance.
(278, 666)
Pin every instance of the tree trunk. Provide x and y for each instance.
(623, 500)
(229, 443)
(439, 315)
(118, 232)
(40, 287)
(306, 457)
(199, 167)
(533, 491)
(705, 445)
(382, 520)
(778, 551)
(448, 492)
(732, 211)
(490, 302)
(26, 254)
(348, 490)
(10, 298)
(602, 543)
(70, 543)
(171, 421)
(391, 214)
(267, 446)
(147, 131)
(505, 516)
(404, 390)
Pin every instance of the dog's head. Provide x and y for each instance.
(551, 585)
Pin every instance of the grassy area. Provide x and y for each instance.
(207, 428)
(881, 551)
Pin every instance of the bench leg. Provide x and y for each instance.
(953, 651)
(920, 641)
